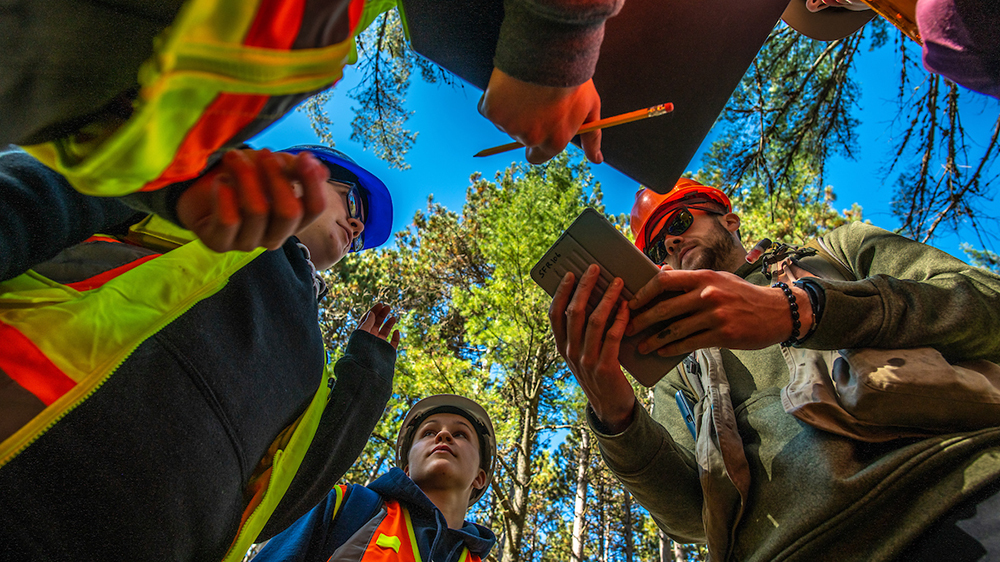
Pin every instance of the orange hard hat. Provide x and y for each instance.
(685, 191)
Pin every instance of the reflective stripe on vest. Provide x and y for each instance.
(66, 342)
(98, 330)
(285, 464)
(212, 73)
(394, 539)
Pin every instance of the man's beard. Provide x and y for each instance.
(716, 252)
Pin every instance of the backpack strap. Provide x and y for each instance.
(813, 259)
(822, 251)
(360, 504)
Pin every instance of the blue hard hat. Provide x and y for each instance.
(378, 202)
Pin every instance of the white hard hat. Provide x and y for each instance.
(451, 404)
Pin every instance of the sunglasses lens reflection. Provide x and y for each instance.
(680, 222)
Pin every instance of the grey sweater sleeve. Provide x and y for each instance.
(357, 401)
(660, 474)
(41, 214)
(552, 42)
(908, 295)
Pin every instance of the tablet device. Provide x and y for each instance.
(592, 239)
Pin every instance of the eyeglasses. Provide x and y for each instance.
(355, 209)
(679, 220)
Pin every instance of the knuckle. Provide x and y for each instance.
(661, 309)
(616, 334)
(712, 294)
(290, 212)
(553, 314)
(254, 208)
(595, 322)
(728, 332)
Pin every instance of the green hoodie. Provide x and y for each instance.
(809, 494)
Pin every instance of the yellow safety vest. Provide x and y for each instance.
(211, 75)
(62, 342)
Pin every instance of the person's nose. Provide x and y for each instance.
(672, 244)
(357, 227)
(443, 436)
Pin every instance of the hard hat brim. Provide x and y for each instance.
(378, 214)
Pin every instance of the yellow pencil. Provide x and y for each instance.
(636, 115)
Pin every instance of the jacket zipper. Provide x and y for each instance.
(192, 300)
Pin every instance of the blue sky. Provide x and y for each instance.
(451, 130)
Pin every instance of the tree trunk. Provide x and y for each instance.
(627, 520)
(679, 554)
(521, 488)
(602, 553)
(665, 554)
(580, 506)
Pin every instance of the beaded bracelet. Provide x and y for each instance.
(817, 300)
(794, 306)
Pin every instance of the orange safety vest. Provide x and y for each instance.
(394, 539)
(210, 79)
(102, 320)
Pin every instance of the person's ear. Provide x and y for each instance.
(406, 469)
(480, 480)
(731, 221)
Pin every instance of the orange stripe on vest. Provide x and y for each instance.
(29, 367)
(225, 116)
(354, 12)
(276, 25)
(393, 526)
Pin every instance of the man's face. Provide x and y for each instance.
(445, 455)
(706, 244)
(329, 237)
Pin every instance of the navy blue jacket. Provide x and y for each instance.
(154, 465)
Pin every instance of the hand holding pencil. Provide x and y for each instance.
(629, 117)
(544, 118)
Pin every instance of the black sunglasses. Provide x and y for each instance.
(355, 209)
(678, 221)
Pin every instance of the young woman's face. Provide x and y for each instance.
(445, 454)
(330, 236)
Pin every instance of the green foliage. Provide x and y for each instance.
(791, 112)
(385, 62)
(794, 216)
(474, 323)
(794, 110)
(982, 258)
